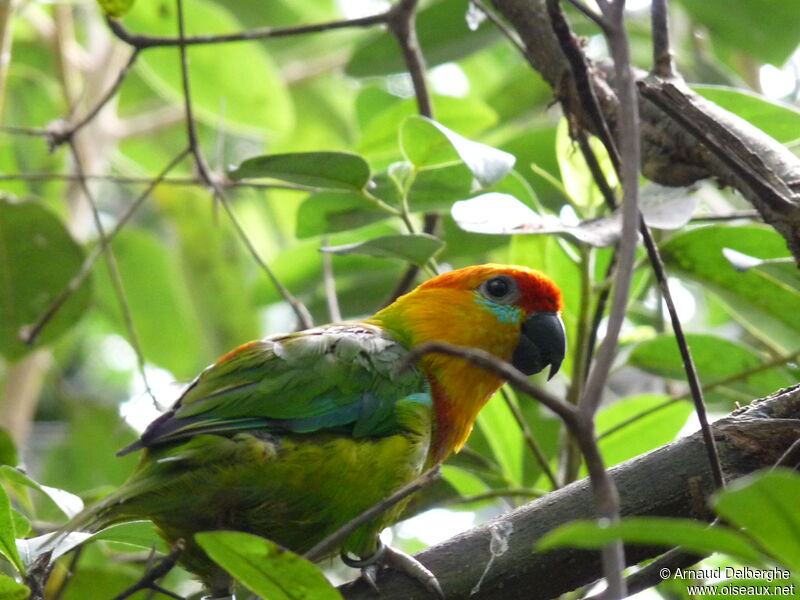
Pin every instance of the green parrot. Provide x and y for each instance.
(292, 436)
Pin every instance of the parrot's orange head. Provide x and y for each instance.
(509, 311)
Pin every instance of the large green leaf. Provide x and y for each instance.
(427, 143)
(443, 33)
(265, 568)
(467, 116)
(326, 170)
(233, 85)
(768, 30)
(414, 248)
(765, 505)
(161, 309)
(694, 536)
(438, 188)
(715, 359)
(765, 306)
(779, 121)
(37, 260)
(642, 435)
(328, 212)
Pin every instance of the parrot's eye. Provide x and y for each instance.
(501, 289)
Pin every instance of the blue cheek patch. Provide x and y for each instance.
(505, 313)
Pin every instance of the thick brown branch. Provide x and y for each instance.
(673, 481)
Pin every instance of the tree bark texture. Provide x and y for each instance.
(684, 137)
(671, 481)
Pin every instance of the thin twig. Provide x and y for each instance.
(589, 13)
(328, 544)
(113, 272)
(662, 53)
(507, 31)
(127, 179)
(301, 312)
(402, 24)
(30, 333)
(156, 572)
(686, 354)
(141, 42)
(61, 131)
(583, 81)
(536, 449)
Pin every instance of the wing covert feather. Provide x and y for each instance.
(340, 377)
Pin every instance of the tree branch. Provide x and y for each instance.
(672, 481)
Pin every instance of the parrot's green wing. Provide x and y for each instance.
(342, 378)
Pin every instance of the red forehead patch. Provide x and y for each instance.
(538, 291)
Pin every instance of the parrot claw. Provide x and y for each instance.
(398, 560)
(369, 574)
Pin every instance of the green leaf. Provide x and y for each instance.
(765, 505)
(466, 483)
(219, 72)
(443, 34)
(766, 307)
(328, 212)
(38, 258)
(439, 187)
(115, 8)
(779, 121)
(694, 536)
(644, 434)
(426, 143)
(8, 546)
(11, 590)
(715, 359)
(22, 525)
(504, 437)
(768, 30)
(141, 534)
(162, 311)
(325, 170)
(265, 568)
(379, 138)
(68, 503)
(414, 248)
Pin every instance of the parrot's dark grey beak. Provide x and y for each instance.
(542, 342)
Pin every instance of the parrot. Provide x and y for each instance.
(292, 436)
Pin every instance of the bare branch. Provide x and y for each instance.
(662, 53)
(62, 131)
(141, 42)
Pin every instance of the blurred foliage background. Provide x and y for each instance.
(191, 290)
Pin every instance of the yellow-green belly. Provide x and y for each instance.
(293, 489)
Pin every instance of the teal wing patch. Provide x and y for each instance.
(341, 378)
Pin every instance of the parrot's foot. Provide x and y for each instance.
(400, 561)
